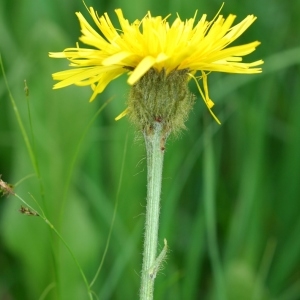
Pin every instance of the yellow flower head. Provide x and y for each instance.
(154, 43)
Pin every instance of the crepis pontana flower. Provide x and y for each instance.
(153, 43)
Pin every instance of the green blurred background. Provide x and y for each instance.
(231, 194)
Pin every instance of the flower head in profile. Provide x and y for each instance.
(189, 47)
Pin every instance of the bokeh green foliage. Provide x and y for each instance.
(239, 180)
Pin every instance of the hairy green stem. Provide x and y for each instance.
(154, 141)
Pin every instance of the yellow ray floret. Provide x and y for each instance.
(153, 42)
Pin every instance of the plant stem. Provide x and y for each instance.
(155, 153)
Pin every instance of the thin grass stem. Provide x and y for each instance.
(210, 218)
(75, 155)
(114, 213)
(45, 219)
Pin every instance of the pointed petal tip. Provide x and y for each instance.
(121, 115)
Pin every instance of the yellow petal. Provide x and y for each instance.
(141, 69)
(122, 114)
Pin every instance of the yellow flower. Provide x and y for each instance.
(155, 43)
